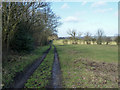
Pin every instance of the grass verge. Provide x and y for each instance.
(42, 76)
(18, 63)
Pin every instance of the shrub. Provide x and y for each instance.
(22, 40)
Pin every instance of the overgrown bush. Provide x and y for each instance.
(22, 40)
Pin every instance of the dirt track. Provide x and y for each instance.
(56, 81)
(21, 78)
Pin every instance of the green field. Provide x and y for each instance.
(88, 66)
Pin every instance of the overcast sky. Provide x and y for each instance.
(87, 17)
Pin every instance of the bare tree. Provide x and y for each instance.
(38, 18)
(100, 34)
(87, 38)
(73, 33)
(93, 40)
(108, 40)
(79, 36)
(117, 40)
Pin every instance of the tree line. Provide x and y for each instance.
(26, 25)
(99, 38)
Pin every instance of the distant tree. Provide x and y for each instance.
(87, 38)
(73, 35)
(53, 36)
(79, 36)
(108, 40)
(65, 41)
(100, 34)
(93, 39)
(117, 40)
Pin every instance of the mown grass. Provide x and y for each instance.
(42, 76)
(89, 66)
(19, 63)
(106, 53)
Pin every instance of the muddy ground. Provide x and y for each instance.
(22, 77)
(56, 80)
(104, 73)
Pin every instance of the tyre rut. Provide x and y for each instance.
(56, 81)
(22, 77)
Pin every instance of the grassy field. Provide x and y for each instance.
(61, 42)
(42, 76)
(17, 63)
(88, 66)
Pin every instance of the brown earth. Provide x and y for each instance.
(104, 73)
